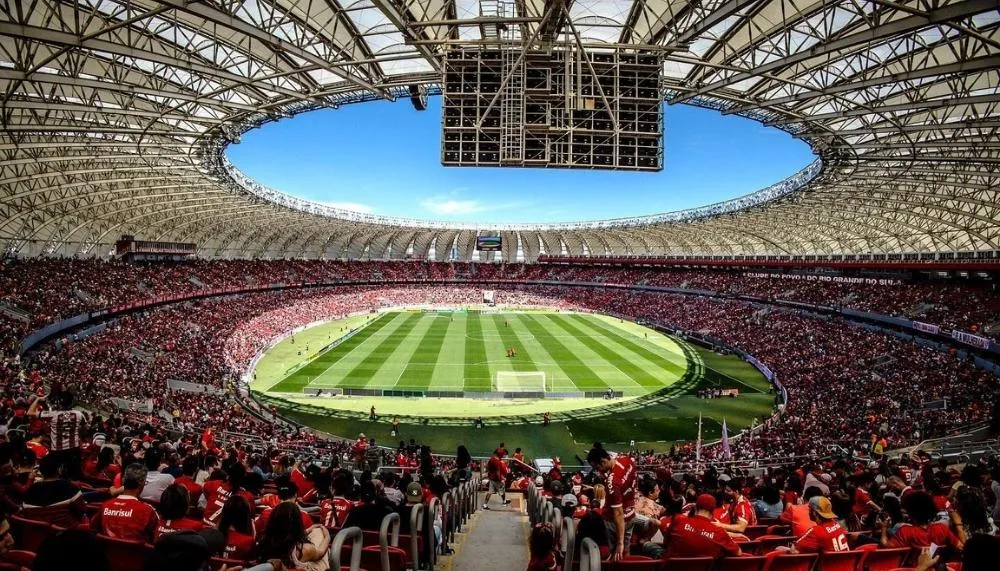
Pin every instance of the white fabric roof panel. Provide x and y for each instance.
(899, 97)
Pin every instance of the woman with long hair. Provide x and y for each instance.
(236, 526)
(173, 509)
(287, 540)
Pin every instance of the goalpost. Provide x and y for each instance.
(521, 381)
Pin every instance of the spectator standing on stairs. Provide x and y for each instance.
(496, 472)
(620, 480)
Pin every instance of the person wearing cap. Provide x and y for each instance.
(697, 535)
(827, 535)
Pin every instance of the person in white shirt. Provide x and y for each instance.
(156, 481)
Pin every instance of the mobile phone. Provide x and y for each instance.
(933, 549)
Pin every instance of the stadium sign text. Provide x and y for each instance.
(818, 278)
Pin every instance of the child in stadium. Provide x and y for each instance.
(541, 545)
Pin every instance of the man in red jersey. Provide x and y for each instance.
(334, 511)
(827, 535)
(127, 517)
(217, 492)
(742, 514)
(287, 491)
(619, 482)
(496, 472)
(698, 535)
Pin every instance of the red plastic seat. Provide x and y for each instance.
(632, 563)
(840, 561)
(746, 563)
(779, 561)
(769, 543)
(371, 558)
(884, 559)
(29, 533)
(755, 531)
(689, 564)
(5, 566)
(20, 557)
(124, 554)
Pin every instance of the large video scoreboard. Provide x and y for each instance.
(555, 108)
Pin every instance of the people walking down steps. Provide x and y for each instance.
(496, 471)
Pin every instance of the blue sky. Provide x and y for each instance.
(384, 158)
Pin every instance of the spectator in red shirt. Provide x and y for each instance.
(920, 532)
(741, 513)
(217, 492)
(827, 535)
(287, 491)
(698, 535)
(496, 473)
(189, 468)
(173, 509)
(237, 527)
(620, 483)
(127, 517)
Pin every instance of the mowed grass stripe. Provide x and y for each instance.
(449, 370)
(578, 372)
(643, 352)
(638, 374)
(477, 371)
(300, 379)
(420, 368)
(629, 347)
(363, 372)
(522, 362)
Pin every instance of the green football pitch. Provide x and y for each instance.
(467, 351)
(463, 350)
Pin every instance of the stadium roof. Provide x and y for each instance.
(116, 115)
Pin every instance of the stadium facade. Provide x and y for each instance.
(116, 117)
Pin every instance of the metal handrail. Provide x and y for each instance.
(432, 548)
(590, 555)
(390, 521)
(357, 538)
(416, 528)
(447, 503)
(567, 541)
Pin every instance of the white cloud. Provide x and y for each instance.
(451, 204)
(446, 206)
(352, 206)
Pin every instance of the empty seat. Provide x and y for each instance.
(778, 561)
(840, 561)
(884, 559)
(29, 533)
(745, 563)
(124, 554)
(689, 564)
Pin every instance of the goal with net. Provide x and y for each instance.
(521, 382)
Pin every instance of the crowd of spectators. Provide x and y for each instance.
(921, 512)
(233, 458)
(45, 290)
(826, 365)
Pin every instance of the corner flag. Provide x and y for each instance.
(726, 453)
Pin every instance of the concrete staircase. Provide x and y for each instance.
(495, 540)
